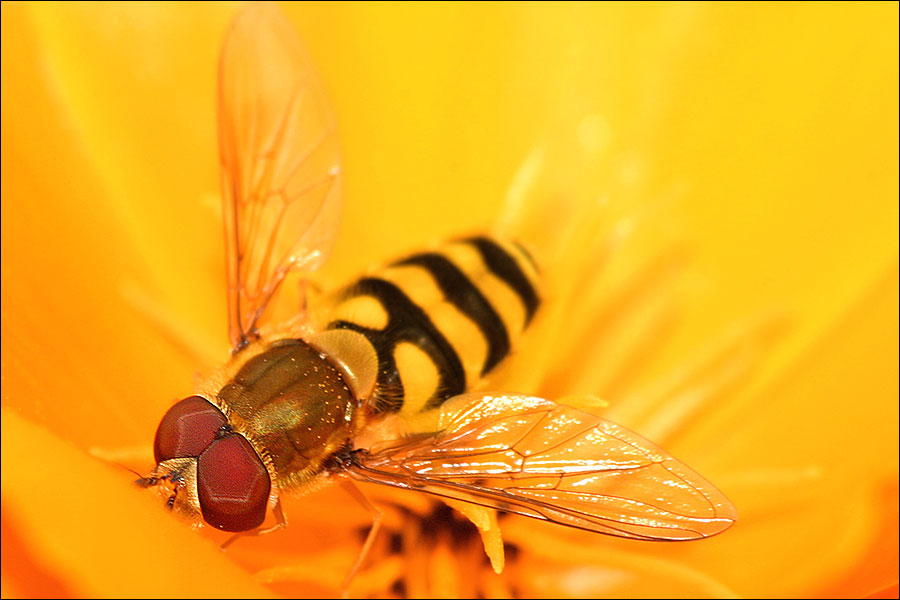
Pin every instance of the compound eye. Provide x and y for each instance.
(187, 429)
(232, 484)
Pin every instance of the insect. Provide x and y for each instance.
(381, 385)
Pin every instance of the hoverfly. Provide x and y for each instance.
(310, 400)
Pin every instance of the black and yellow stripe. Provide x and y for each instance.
(441, 320)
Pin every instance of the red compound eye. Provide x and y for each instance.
(187, 429)
(232, 484)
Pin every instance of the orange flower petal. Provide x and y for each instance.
(769, 132)
(84, 531)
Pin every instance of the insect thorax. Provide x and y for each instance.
(293, 404)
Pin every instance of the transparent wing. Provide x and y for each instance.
(280, 162)
(553, 462)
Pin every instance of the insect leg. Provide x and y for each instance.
(304, 300)
(377, 515)
(281, 523)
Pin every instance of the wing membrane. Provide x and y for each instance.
(553, 462)
(279, 159)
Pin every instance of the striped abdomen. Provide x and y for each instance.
(441, 320)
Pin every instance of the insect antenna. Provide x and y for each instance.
(141, 481)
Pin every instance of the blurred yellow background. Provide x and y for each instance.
(768, 131)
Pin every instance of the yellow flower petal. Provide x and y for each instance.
(762, 137)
